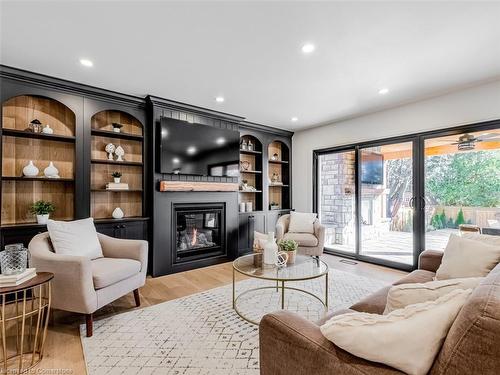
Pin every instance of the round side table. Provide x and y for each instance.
(24, 316)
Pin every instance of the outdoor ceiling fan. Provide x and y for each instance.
(468, 141)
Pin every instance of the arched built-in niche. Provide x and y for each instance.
(251, 172)
(21, 144)
(279, 175)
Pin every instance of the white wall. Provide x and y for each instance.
(479, 103)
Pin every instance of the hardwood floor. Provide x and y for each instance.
(63, 349)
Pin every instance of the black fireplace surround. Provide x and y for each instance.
(194, 229)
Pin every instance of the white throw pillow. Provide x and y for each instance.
(407, 339)
(402, 295)
(301, 222)
(484, 238)
(77, 237)
(259, 240)
(467, 258)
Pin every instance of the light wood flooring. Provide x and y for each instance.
(63, 347)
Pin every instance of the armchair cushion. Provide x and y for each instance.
(77, 237)
(301, 222)
(303, 239)
(108, 271)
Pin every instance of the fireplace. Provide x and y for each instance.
(199, 230)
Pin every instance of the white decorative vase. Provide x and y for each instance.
(119, 152)
(242, 207)
(42, 219)
(270, 250)
(51, 171)
(30, 170)
(117, 180)
(249, 207)
(47, 130)
(117, 213)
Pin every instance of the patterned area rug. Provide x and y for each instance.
(201, 333)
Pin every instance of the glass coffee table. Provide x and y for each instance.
(304, 268)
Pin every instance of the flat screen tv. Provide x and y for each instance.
(372, 168)
(196, 149)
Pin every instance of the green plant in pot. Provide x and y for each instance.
(116, 176)
(290, 246)
(42, 210)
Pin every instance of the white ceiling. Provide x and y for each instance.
(250, 53)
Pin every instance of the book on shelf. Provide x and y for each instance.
(116, 186)
(14, 280)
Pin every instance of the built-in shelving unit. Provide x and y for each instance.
(279, 175)
(130, 138)
(20, 145)
(251, 171)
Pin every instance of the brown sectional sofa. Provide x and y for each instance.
(292, 345)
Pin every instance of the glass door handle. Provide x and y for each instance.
(411, 203)
(422, 207)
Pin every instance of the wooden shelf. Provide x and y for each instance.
(112, 134)
(278, 161)
(25, 134)
(252, 172)
(114, 162)
(45, 179)
(249, 152)
(250, 191)
(122, 220)
(117, 190)
(285, 186)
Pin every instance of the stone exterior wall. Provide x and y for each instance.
(337, 197)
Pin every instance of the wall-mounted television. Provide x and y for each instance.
(195, 149)
(372, 168)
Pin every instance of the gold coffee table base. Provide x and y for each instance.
(23, 324)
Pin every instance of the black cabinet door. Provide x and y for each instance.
(248, 224)
(132, 230)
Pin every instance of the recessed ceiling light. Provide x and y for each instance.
(175, 160)
(219, 99)
(383, 91)
(191, 150)
(86, 62)
(295, 119)
(308, 48)
(220, 141)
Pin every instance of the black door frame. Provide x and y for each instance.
(418, 140)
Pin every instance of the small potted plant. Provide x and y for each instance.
(117, 127)
(42, 210)
(274, 206)
(290, 246)
(116, 176)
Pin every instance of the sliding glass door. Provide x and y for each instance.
(387, 201)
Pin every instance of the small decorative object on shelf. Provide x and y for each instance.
(290, 246)
(116, 176)
(42, 210)
(117, 213)
(275, 178)
(242, 207)
(274, 206)
(117, 127)
(249, 207)
(119, 152)
(110, 149)
(51, 171)
(14, 260)
(30, 170)
(35, 126)
(47, 129)
(244, 145)
(275, 157)
(117, 186)
(245, 165)
(244, 184)
(250, 145)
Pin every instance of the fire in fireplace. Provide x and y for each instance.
(199, 231)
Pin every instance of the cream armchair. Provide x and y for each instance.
(82, 285)
(309, 244)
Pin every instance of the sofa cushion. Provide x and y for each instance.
(464, 257)
(402, 295)
(78, 237)
(406, 345)
(108, 271)
(472, 345)
(303, 239)
(301, 222)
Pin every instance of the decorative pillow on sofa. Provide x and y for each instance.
(407, 339)
(485, 238)
(301, 222)
(402, 295)
(77, 237)
(464, 257)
